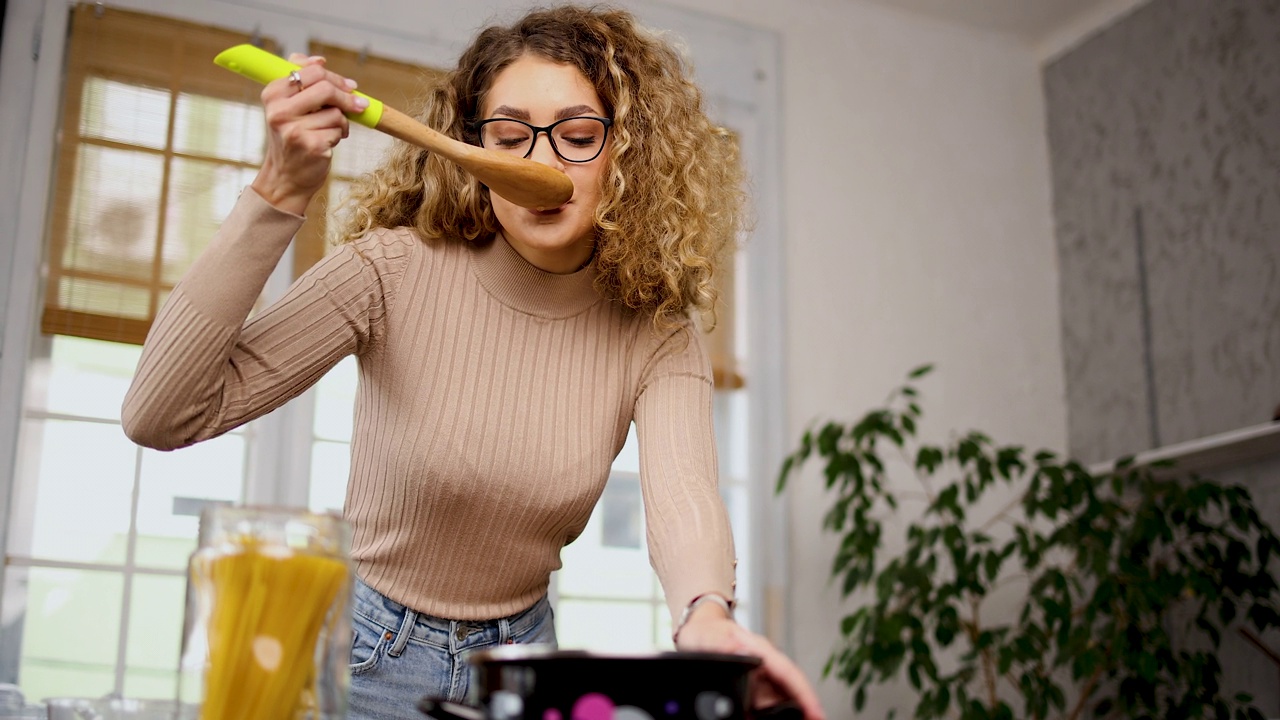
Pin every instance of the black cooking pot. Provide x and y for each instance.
(536, 683)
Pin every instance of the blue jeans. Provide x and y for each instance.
(399, 656)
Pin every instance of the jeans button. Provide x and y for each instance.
(461, 632)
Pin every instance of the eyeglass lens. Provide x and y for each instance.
(577, 139)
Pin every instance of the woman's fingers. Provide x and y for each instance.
(321, 96)
(312, 87)
(316, 132)
(314, 107)
(313, 71)
(305, 120)
(781, 679)
(777, 680)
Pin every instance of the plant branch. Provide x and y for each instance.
(927, 489)
(1085, 692)
(1013, 683)
(912, 495)
(1002, 513)
(988, 662)
(1257, 642)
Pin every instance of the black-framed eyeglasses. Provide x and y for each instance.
(575, 139)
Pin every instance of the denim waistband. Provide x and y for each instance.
(405, 624)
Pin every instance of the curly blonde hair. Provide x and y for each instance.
(673, 198)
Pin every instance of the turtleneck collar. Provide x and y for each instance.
(510, 279)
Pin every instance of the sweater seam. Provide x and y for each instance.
(390, 291)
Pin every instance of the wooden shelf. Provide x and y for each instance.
(1216, 451)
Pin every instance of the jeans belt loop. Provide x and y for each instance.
(402, 637)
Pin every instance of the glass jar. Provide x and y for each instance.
(267, 632)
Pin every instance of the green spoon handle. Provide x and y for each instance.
(263, 67)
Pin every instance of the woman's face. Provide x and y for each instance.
(540, 92)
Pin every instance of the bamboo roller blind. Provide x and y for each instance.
(155, 141)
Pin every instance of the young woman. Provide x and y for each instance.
(503, 352)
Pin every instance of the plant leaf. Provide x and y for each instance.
(920, 372)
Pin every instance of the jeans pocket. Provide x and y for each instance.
(368, 644)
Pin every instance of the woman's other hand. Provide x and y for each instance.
(778, 680)
(305, 121)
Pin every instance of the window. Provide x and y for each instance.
(94, 591)
(156, 143)
(607, 596)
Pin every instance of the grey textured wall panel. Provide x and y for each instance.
(1164, 132)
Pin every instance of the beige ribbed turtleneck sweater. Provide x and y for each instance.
(493, 398)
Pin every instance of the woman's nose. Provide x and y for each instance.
(543, 151)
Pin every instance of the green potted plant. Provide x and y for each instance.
(1128, 578)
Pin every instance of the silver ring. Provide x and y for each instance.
(295, 79)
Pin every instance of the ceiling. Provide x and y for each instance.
(1048, 25)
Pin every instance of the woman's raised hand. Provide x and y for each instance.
(305, 121)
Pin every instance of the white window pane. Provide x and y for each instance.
(737, 500)
(662, 625)
(600, 564)
(330, 463)
(70, 629)
(335, 401)
(219, 128)
(155, 636)
(621, 627)
(628, 459)
(84, 491)
(621, 516)
(360, 152)
(592, 571)
(86, 377)
(175, 486)
(732, 433)
(125, 113)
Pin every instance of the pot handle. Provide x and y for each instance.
(442, 709)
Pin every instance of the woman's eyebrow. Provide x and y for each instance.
(508, 111)
(575, 111)
(562, 113)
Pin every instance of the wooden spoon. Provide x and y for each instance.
(524, 182)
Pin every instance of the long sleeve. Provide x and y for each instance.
(689, 536)
(204, 371)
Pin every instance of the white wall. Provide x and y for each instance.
(916, 227)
